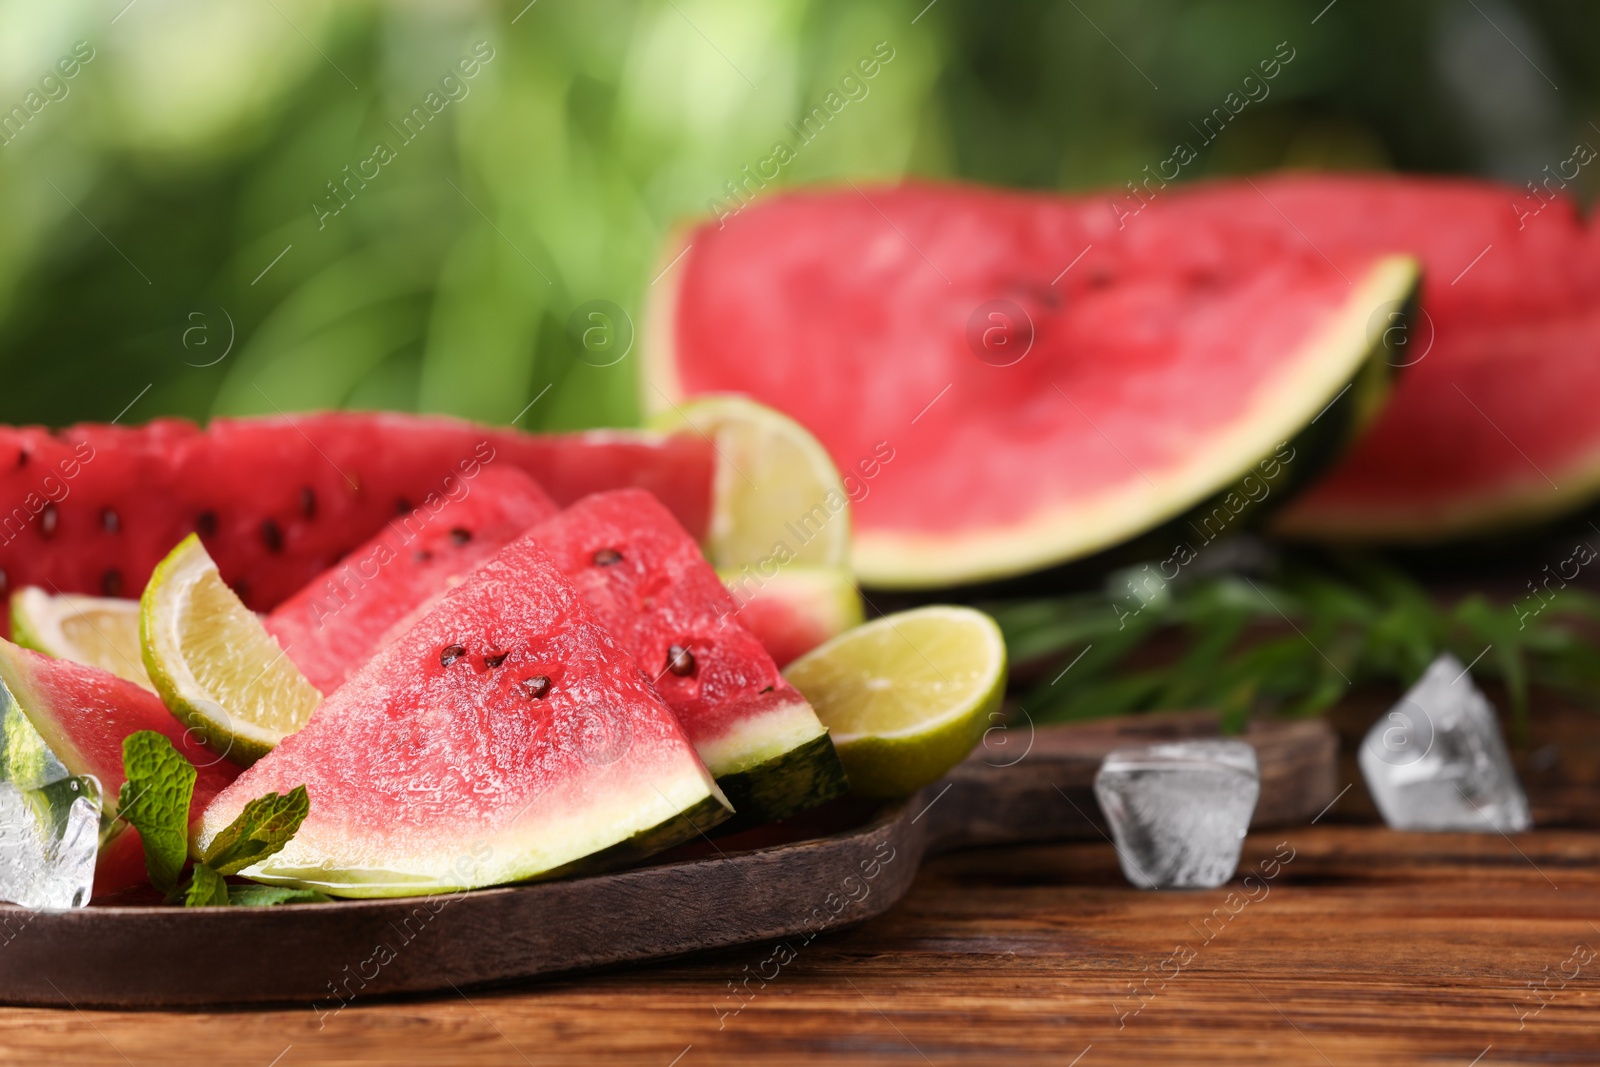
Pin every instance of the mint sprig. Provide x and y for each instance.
(155, 801)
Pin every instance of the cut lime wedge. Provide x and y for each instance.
(214, 664)
(777, 496)
(95, 631)
(907, 696)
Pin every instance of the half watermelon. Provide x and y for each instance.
(645, 579)
(330, 628)
(1017, 380)
(277, 501)
(506, 736)
(82, 714)
(1491, 425)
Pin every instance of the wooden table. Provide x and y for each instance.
(1366, 947)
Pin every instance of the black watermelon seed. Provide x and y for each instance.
(205, 524)
(111, 583)
(308, 502)
(241, 589)
(422, 555)
(401, 506)
(272, 535)
(494, 659)
(768, 689)
(110, 520)
(22, 457)
(606, 557)
(47, 521)
(5, 582)
(450, 654)
(460, 535)
(680, 661)
(536, 687)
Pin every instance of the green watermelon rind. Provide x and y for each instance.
(785, 784)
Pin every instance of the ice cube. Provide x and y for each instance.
(1437, 761)
(49, 820)
(49, 839)
(1179, 811)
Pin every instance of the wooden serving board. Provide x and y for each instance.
(837, 867)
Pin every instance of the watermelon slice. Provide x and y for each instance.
(1152, 360)
(1491, 426)
(333, 626)
(645, 579)
(277, 501)
(506, 736)
(82, 714)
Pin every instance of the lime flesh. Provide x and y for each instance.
(95, 631)
(214, 664)
(906, 696)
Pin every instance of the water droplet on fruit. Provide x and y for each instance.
(308, 502)
(680, 661)
(494, 659)
(460, 535)
(47, 521)
(110, 520)
(205, 524)
(606, 557)
(450, 654)
(272, 535)
(111, 583)
(536, 687)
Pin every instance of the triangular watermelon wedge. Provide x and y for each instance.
(82, 714)
(333, 626)
(506, 736)
(645, 579)
(1012, 380)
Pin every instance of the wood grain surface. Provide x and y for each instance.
(1368, 947)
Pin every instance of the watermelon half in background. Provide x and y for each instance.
(1493, 424)
(277, 501)
(1162, 356)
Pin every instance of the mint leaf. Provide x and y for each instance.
(206, 889)
(155, 801)
(264, 826)
(261, 896)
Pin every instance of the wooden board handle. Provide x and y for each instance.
(1028, 783)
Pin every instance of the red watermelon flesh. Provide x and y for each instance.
(83, 714)
(505, 736)
(1492, 424)
(1169, 352)
(277, 501)
(647, 582)
(330, 628)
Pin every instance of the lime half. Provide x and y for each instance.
(778, 498)
(907, 696)
(214, 664)
(95, 631)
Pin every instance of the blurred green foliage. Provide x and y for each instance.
(159, 210)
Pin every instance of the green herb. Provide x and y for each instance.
(206, 888)
(1293, 644)
(155, 801)
(262, 896)
(264, 826)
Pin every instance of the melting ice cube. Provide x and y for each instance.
(1437, 761)
(1179, 811)
(49, 820)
